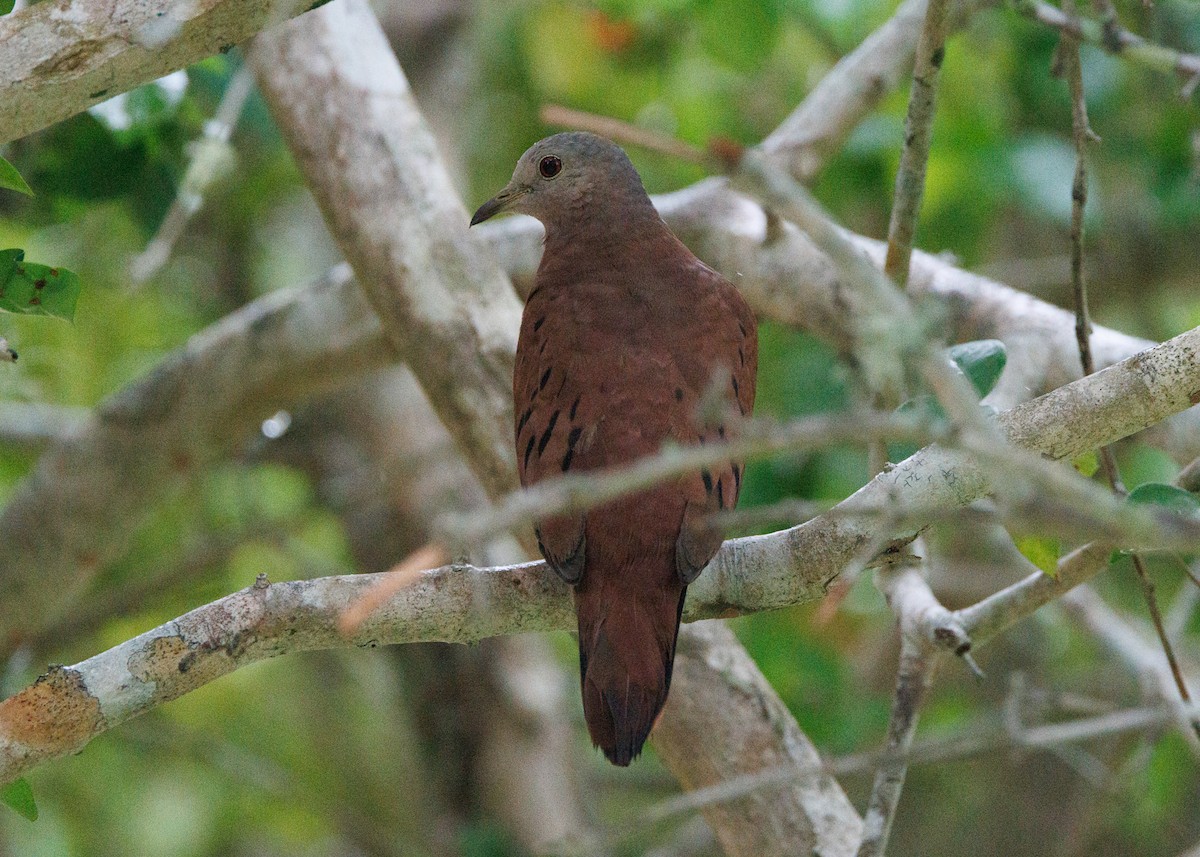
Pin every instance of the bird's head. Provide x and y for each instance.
(570, 178)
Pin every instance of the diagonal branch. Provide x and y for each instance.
(71, 705)
(1115, 39)
(60, 59)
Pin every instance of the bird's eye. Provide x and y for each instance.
(549, 167)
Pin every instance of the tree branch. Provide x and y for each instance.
(71, 705)
(1115, 40)
(803, 816)
(60, 59)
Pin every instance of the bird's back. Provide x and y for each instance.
(613, 361)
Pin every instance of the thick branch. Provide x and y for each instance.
(72, 705)
(808, 815)
(61, 58)
(348, 115)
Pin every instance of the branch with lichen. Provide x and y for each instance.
(67, 708)
(1117, 41)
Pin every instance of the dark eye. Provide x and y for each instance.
(549, 167)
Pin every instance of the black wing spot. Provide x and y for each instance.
(678, 394)
(524, 419)
(537, 325)
(572, 439)
(737, 477)
(707, 477)
(529, 448)
(546, 434)
(542, 347)
(741, 327)
(574, 407)
(720, 494)
(721, 432)
(736, 392)
(546, 377)
(741, 357)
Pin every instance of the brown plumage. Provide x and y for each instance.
(623, 334)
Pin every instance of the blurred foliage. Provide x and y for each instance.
(317, 755)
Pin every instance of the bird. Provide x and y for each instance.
(626, 341)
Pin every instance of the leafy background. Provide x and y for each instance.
(334, 753)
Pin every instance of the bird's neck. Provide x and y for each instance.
(608, 232)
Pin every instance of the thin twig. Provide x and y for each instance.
(971, 742)
(918, 134)
(211, 158)
(1082, 134)
(623, 132)
(757, 439)
(1114, 39)
(917, 665)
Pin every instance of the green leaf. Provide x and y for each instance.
(1168, 496)
(10, 179)
(981, 361)
(1087, 463)
(32, 289)
(1041, 551)
(6, 6)
(19, 796)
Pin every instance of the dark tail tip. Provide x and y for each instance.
(625, 678)
(620, 721)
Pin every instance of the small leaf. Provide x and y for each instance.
(1168, 496)
(9, 177)
(19, 796)
(981, 361)
(1087, 463)
(32, 289)
(1042, 552)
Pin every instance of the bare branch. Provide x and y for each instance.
(458, 603)
(757, 439)
(913, 679)
(808, 815)
(443, 304)
(34, 424)
(1114, 39)
(918, 135)
(814, 130)
(59, 59)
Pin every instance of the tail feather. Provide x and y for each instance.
(626, 655)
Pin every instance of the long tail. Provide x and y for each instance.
(626, 651)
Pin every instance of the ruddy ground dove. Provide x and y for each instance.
(624, 335)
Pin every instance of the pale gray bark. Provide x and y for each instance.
(806, 815)
(62, 57)
(71, 705)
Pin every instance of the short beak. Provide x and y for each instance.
(498, 203)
